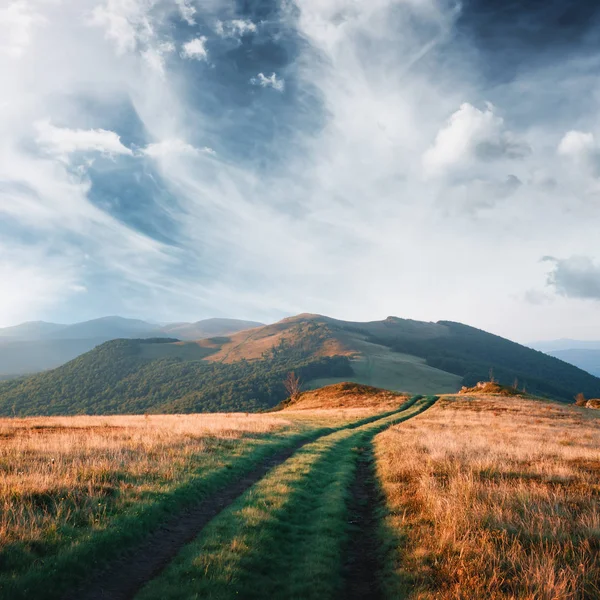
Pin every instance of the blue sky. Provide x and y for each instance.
(176, 160)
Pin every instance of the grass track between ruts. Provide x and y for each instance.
(58, 572)
(285, 537)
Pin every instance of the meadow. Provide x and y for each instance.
(72, 489)
(491, 497)
(374, 494)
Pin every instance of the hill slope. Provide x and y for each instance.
(245, 371)
(37, 346)
(207, 328)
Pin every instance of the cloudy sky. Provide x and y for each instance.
(180, 159)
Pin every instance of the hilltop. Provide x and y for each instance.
(245, 370)
(345, 395)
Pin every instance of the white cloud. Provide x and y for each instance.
(126, 22)
(471, 134)
(235, 28)
(195, 49)
(187, 11)
(17, 22)
(169, 147)
(155, 56)
(344, 199)
(582, 149)
(61, 141)
(272, 81)
(577, 144)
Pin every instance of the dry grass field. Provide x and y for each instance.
(493, 497)
(74, 488)
(64, 471)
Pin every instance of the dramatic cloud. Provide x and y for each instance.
(173, 147)
(195, 49)
(187, 10)
(471, 134)
(235, 28)
(370, 158)
(125, 22)
(575, 277)
(582, 149)
(155, 56)
(62, 141)
(17, 22)
(271, 81)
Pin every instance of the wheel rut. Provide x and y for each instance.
(362, 562)
(123, 577)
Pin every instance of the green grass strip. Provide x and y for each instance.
(285, 537)
(55, 575)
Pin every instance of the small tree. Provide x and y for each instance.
(492, 380)
(580, 400)
(292, 385)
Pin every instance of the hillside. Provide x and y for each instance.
(245, 370)
(38, 346)
(207, 328)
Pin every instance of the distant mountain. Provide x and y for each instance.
(550, 346)
(37, 346)
(245, 370)
(24, 358)
(588, 360)
(207, 328)
(31, 330)
(108, 328)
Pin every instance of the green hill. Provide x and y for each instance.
(245, 371)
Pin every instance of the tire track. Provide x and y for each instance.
(363, 556)
(125, 576)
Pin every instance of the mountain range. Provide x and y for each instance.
(37, 345)
(584, 354)
(245, 370)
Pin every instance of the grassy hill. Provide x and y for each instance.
(37, 346)
(245, 370)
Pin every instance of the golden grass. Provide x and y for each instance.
(61, 471)
(347, 396)
(493, 497)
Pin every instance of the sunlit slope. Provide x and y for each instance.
(245, 371)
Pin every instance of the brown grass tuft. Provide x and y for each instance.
(346, 395)
(493, 497)
(75, 471)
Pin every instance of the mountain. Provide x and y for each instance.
(24, 358)
(245, 370)
(207, 328)
(37, 346)
(588, 360)
(31, 330)
(108, 328)
(550, 346)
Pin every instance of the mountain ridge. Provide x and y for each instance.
(36, 346)
(245, 370)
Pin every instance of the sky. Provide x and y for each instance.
(175, 160)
